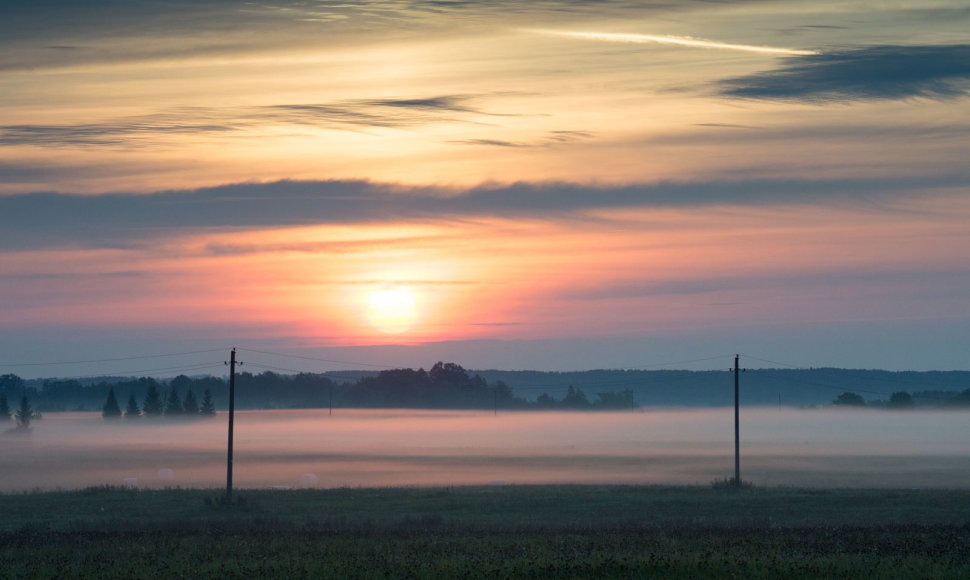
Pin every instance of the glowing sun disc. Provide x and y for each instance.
(392, 310)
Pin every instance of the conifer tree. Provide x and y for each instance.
(190, 406)
(4, 408)
(173, 405)
(25, 414)
(132, 411)
(111, 410)
(208, 409)
(153, 402)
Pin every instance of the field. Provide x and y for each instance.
(561, 531)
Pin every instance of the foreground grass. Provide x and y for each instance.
(530, 531)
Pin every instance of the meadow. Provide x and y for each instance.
(561, 531)
(433, 494)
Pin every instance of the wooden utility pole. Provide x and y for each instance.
(232, 412)
(737, 427)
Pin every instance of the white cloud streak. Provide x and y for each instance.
(677, 40)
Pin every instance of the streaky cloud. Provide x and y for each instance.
(687, 41)
(346, 115)
(752, 282)
(856, 74)
(551, 139)
(489, 142)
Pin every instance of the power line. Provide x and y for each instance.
(681, 362)
(183, 368)
(317, 359)
(78, 362)
(822, 385)
(747, 356)
(266, 367)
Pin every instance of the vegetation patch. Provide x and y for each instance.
(479, 532)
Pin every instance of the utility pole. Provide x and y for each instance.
(737, 427)
(232, 412)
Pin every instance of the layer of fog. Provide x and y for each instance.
(356, 448)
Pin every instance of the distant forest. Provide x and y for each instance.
(449, 386)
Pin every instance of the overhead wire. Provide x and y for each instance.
(117, 359)
(317, 359)
(179, 369)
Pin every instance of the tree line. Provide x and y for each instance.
(443, 386)
(898, 400)
(154, 406)
(447, 386)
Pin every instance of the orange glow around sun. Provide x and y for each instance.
(392, 310)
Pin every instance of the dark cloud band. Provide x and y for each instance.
(877, 72)
(117, 220)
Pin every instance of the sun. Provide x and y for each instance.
(392, 310)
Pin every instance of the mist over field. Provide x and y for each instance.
(366, 448)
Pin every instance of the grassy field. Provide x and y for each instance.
(488, 532)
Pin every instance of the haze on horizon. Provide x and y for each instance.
(556, 186)
(820, 448)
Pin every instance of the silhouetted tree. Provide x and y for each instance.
(614, 400)
(962, 399)
(575, 399)
(25, 414)
(190, 406)
(173, 405)
(544, 401)
(208, 409)
(111, 410)
(153, 406)
(132, 411)
(901, 400)
(848, 399)
(449, 373)
(4, 408)
(10, 385)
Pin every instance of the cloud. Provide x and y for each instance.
(110, 133)
(75, 276)
(388, 112)
(836, 277)
(123, 221)
(868, 73)
(33, 33)
(489, 142)
(346, 115)
(686, 41)
(552, 138)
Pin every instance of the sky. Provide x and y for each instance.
(549, 185)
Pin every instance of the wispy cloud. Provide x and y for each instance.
(551, 139)
(875, 72)
(489, 142)
(114, 132)
(687, 41)
(347, 114)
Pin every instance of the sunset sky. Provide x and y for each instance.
(551, 185)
